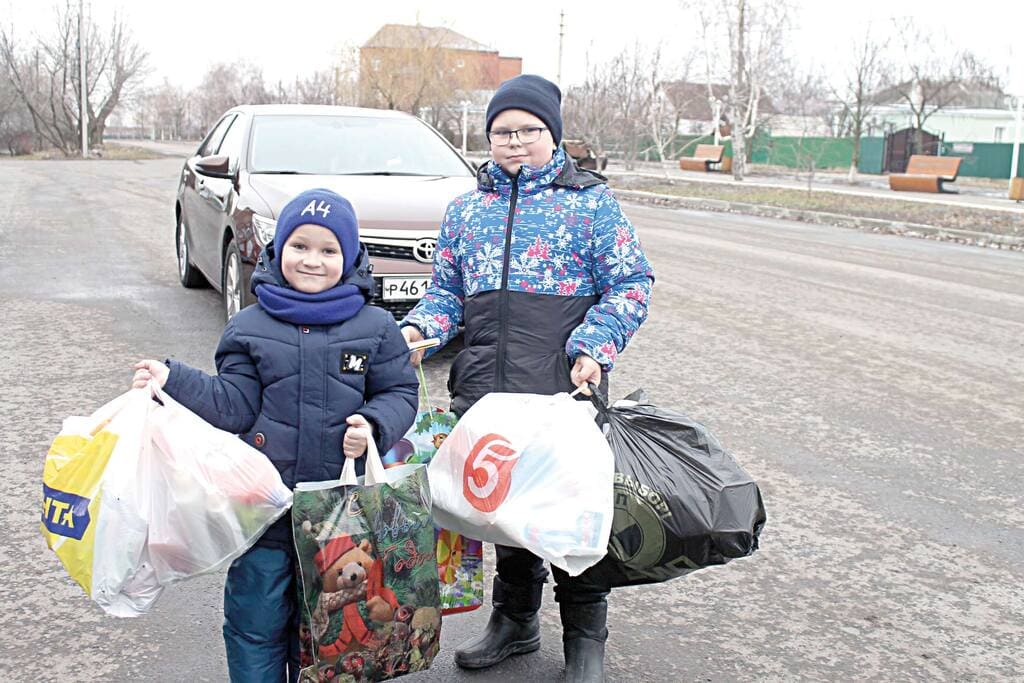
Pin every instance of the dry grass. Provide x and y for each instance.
(109, 152)
(937, 215)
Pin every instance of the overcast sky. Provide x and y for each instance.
(185, 37)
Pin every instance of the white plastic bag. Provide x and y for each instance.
(140, 494)
(212, 495)
(530, 471)
(96, 507)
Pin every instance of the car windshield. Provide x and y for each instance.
(350, 145)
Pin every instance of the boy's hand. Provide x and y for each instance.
(586, 370)
(412, 334)
(146, 370)
(354, 444)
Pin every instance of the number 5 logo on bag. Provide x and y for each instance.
(488, 472)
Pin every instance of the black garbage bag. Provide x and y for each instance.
(682, 502)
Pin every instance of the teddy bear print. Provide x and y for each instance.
(351, 587)
(338, 575)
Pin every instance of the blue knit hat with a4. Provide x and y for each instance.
(534, 94)
(324, 208)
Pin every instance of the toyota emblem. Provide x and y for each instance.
(424, 250)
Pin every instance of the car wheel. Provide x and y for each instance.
(232, 284)
(189, 276)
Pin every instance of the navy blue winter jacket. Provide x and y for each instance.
(284, 390)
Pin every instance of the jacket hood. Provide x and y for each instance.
(568, 175)
(268, 272)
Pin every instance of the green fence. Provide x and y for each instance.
(802, 152)
(980, 159)
(791, 152)
(984, 159)
(872, 155)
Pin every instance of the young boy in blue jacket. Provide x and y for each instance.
(294, 372)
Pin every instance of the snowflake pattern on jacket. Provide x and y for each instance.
(566, 241)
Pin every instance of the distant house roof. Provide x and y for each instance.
(981, 95)
(403, 36)
(692, 99)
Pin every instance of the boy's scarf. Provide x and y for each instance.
(331, 306)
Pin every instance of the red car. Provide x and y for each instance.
(398, 172)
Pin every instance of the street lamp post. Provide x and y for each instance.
(1016, 140)
(465, 124)
(83, 117)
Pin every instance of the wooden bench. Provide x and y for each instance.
(1017, 189)
(584, 155)
(703, 157)
(926, 174)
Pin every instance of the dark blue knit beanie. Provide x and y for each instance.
(534, 94)
(326, 209)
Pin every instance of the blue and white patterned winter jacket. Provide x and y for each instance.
(539, 269)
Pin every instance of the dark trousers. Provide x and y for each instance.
(261, 629)
(519, 567)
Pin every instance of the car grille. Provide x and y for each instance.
(397, 308)
(390, 251)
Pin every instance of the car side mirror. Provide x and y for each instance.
(215, 166)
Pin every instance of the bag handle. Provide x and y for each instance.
(595, 397)
(375, 473)
(106, 414)
(424, 395)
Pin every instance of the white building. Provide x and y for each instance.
(953, 124)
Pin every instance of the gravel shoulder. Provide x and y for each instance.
(937, 215)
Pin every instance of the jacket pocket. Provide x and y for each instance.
(471, 376)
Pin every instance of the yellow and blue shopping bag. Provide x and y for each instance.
(93, 511)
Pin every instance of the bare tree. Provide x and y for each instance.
(804, 101)
(47, 78)
(346, 75)
(934, 76)
(317, 88)
(423, 74)
(754, 31)
(628, 102)
(864, 75)
(631, 99)
(665, 106)
(229, 85)
(164, 111)
(587, 108)
(16, 132)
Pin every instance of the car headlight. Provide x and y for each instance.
(265, 229)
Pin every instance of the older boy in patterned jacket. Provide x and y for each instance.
(547, 276)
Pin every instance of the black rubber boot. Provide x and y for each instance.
(513, 628)
(583, 638)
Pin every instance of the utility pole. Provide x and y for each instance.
(465, 124)
(83, 117)
(1014, 164)
(561, 37)
(716, 118)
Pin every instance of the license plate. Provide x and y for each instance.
(398, 288)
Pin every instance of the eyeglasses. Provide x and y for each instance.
(501, 138)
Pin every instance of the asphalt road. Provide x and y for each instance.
(873, 384)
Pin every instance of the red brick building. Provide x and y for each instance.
(472, 65)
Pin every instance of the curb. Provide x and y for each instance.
(876, 225)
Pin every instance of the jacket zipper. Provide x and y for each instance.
(499, 370)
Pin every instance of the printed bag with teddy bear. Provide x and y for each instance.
(370, 606)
